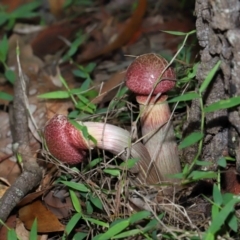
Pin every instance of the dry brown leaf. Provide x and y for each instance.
(46, 220)
(109, 88)
(62, 209)
(31, 197)
(117, 40)
(13, 4)
(11, 223)
(48, 41)
(3, 189)
(24, 234)
(56, 7)
(9, 170)
(29, 62)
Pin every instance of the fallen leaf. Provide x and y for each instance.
(46, 220)
(48, 41)
(56, 7)
(13, 4)
(11, 223)
(9, 170)
(109, 88)
(61, 208)
(124, 36)
(30, 198)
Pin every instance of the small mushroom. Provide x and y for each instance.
(149, 78)
(68, 144)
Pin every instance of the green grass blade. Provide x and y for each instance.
(33, 232)
(72, 223)
(209, 77)
(6, 96)
(185, 97)
(191, 139)
(223, 104)
(55, 95)
(77, 186)
(75, 201)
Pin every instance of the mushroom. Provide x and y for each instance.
(69, 145)
(149, 77)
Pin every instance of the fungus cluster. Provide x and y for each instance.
(149, 78)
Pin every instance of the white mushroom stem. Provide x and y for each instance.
(118, 141)
(159, 138)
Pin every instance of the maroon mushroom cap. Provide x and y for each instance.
(64, 141)
(144, 72)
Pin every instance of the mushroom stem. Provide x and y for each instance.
(159, 138)
(68, 144)
(118, 141)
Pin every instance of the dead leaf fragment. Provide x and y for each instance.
(10, 223)
(61, 208)
(110, 88)
(46, 220)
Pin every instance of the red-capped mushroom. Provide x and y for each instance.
(149, 77)
(67, 143)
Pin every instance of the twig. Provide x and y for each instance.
(32, 173)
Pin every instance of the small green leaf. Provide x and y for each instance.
(129, 163)
(192, 73)
(114, 230)
(3, 18)
(80, 73)
(11, 235)
(80, 236)
(221, 217)
(86, 84)
(77, 186)
(55, 95)
(75, 201)
(153, 223)
(90, 67)
(74, 47)
(203, 163)
(97, 222)
(178, 175)
(63, 81)
(84, 131)
(6, 96)
(10, 76)
(26, 10)
(67, 3)
(96, 201)
(113, 172)
(215, 211)
(217, 196)
(139, 216)
(196, 175)
(185, 97)
(72, 223)
(223, 104)
(209, 77)
(89, 208)
(232, 222)
(33, 232)
(3, 49)
(92, 164)
(191, 139)
(127, 234)
(227, 197)
(222, 162)
(186, 169)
